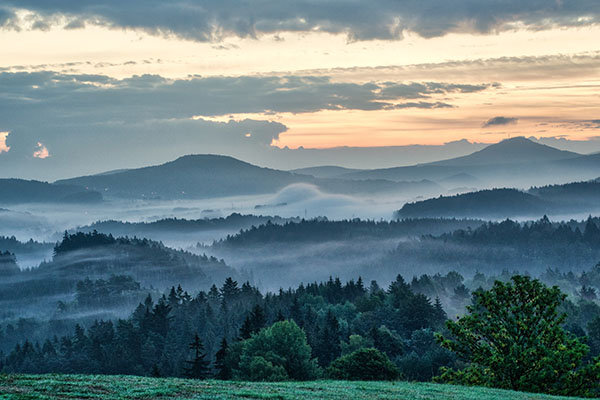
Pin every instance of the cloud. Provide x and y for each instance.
(88, 120)
(212, 20)
(4, 148)
(499, 121)
(578, 125)
(41, 152)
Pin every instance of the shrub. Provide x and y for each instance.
(279, 352)
(364, 365)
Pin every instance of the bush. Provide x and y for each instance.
(364, 365)
(279, 352)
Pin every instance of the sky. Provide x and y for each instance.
(91, 86)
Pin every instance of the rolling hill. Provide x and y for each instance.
(497, 203)
(96, 256)
(577, 197)
(210, 176)
(101, 387)
(13, 191)
(517, 150)
(516, 162)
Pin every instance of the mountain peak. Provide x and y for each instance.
(515, 150)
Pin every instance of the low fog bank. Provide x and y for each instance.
(46, 222)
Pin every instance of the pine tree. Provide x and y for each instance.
(253, 322)
(230, 289)
(439, 315)
(329, 340)
(246, 329)
(223, 371)
(258, 318)
(197, 368)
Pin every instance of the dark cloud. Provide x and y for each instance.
(88, 119)
(496, 121)
(211, 20)
(159, 97)
(420, 104)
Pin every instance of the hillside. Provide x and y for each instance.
(127, 387)
(513, 162)
(497, 203)
(517, 150)
(233, 222)
(210, 176)
(576, 197)
(14, 191)
(34, 292)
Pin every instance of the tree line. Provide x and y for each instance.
(513, 336)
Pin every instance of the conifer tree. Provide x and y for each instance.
(223, 371)
(197, 368)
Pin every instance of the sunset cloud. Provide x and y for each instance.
(41, 152)
(3, 146)
(146, 81)
(499, 121)
(213, 20)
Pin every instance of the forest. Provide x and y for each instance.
(208, 333)
(105, 297)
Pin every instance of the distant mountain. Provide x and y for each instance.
(325, 171)
(13, 191)
(517, 150)
(578, 197)
(517, 162)
(210, 176)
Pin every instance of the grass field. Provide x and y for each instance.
(131, 387)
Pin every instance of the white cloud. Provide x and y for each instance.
(41, 152)
(4, 148)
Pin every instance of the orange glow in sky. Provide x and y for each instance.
(548, 80)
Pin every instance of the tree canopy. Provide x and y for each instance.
(512, 337)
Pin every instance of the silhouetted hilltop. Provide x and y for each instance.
(235, 220)
(577, 197)
(485, 203)
(209, 176)
(517, 150)
(14, 191)
(98, 256)
(513, 162)
(194, 176)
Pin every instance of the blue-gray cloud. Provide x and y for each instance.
(87, 120)
(499, 121)
(211, 20)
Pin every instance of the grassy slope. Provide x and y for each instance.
(129, 387)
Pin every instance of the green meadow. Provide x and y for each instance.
(132, 387)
